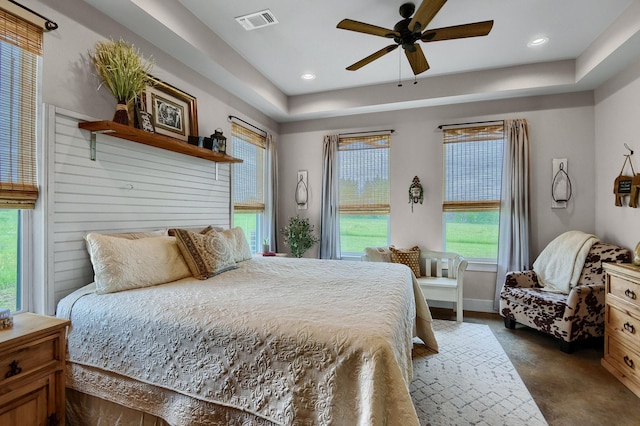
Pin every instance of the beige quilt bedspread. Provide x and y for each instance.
(293, 341)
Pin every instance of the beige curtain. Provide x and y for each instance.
(514, 241)
(330, 213)
(271, 209)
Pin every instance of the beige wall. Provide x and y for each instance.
(561, 126)
(617, 114)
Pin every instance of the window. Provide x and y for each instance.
(363, 167)
(472, 185)
(249, 180)
(20, 56)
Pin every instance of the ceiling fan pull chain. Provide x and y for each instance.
(399, 67)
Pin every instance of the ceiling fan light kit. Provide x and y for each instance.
(408, 31)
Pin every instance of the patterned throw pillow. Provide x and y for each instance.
(237, 242)
(409, 257)
(206, 254)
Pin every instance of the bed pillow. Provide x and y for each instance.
(206, 254)
(123, 264)
(237, 241)
(378, 254)
(409, 257)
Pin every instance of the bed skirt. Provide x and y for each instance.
(97, 397)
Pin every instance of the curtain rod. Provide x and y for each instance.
(370, 131)
(473, 122)
(231, 117)
(48, 23)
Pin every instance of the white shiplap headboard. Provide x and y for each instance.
(130, 186)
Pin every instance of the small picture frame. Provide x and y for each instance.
(145, 121)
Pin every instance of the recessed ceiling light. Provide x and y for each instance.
(308, 76)
(538, 41)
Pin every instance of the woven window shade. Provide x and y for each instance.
(20, 48)
(248, 188)
(473, 168)
(364, 174)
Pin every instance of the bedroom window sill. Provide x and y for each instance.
(479, 266)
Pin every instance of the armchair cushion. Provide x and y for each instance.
(550, 305)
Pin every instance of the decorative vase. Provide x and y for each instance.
(636, 255)
(265, 248)
(122, 113)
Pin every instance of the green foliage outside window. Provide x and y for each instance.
(8, 258)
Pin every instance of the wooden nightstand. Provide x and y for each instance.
(32, 371)
(622, 324)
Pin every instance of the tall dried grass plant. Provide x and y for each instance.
(122, 70)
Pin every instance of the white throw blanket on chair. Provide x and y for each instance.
(559, 265)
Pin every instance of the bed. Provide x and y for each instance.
(270, 341)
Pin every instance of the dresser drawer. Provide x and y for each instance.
(625, 290)
(28, 358)
(623, 325)
(625, 359)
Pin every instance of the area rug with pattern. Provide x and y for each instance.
(471, 381)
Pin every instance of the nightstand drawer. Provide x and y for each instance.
(625, 290)
(623, 325)
(624, 358)
(28, 358)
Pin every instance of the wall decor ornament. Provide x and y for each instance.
(302, 190)
(627, 185)
(416, 192)
(123, 71)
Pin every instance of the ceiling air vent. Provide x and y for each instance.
(257, 20)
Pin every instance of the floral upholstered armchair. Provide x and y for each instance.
(570, 317)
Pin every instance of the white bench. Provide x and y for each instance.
(443, 287)
(435, 284)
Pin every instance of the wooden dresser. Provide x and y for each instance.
(622, 324)
(32, 362)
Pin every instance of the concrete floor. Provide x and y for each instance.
(570, 389)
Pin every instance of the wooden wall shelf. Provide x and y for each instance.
(153, 139)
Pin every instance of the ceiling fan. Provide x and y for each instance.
(408, 31)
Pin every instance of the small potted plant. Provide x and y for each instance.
(298, 235)
(265, 246)
(123, 71)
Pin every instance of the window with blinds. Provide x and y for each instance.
(249, 179)
(20, 56)
(471, 191)
(20, 75)
(363, 192)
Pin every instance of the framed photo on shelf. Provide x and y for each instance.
(145, 120)
(173, 112)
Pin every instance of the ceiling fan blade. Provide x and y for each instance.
(424, 14)
(458, 31)
(361, 27)
(361, 63)
(417, 60)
